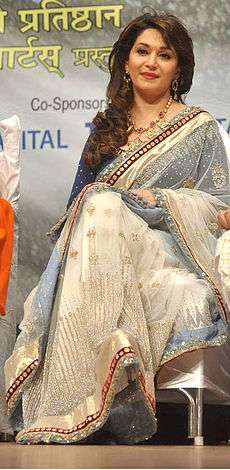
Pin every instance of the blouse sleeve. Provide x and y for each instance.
(85, 175)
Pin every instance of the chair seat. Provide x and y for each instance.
(204, 368)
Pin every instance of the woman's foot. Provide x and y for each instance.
(130, 420)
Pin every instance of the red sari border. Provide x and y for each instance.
(105, 390)
(20, 380)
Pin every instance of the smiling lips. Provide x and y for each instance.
(149, 75)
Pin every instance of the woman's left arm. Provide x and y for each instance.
(214, 175)
(214, 167)
(212, 181)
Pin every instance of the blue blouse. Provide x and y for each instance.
(85, 175)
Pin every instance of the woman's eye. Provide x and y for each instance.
(142, 51)
(165, 55)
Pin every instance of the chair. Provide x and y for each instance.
(198, 376)
(10, 175)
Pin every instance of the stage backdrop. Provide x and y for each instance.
(53, 66)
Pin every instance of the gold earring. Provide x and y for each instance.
(175, 86)
(127, 78)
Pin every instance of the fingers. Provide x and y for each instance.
(150, 198)
(224, 219)
(144, 194)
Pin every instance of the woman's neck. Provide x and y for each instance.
(143, 108)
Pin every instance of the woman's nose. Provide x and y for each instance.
(152, 61)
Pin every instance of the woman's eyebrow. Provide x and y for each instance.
(143, 44)
(165, 48)
(162, 48)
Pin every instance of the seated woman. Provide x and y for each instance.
(131, 282)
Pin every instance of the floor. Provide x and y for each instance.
(88, 456)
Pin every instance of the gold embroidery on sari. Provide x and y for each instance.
(93, 258)
(90, 209)
(91, 233)
(213, 227)
(73, 254)
(219, 176)
(136, 237)
(189, 183)
(121, 235)
(156, 284)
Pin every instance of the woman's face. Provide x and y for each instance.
(152, 65)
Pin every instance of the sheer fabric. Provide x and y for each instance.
(128, 287)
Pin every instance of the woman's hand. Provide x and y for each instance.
(224, 218)
(145, 194)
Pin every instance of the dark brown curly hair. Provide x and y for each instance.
(110, 131)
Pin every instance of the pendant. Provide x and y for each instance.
(163, 123)
(151, 133)
(152, 124)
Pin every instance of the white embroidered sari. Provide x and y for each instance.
(127, 288)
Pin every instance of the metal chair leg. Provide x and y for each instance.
(5, 437)
(199, 438)
(195, 415)
(191, 413)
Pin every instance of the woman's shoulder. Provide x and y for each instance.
(203, 113)
(203, 117)
(210, 126)
(194, 116)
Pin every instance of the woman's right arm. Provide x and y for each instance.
(85, 175)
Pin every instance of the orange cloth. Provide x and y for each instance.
(6, 249)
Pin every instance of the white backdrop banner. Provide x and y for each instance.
(53, 66)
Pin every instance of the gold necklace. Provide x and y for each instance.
(141, 130)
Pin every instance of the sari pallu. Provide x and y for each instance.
(126, 289)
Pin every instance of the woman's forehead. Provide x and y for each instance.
(151, 37)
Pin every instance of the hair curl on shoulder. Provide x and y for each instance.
(110, 131)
